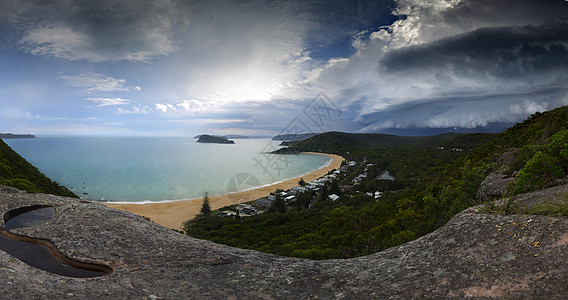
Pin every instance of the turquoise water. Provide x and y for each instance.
(138, 169)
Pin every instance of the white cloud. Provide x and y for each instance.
(206, 121)
(528, 107)
(185, 106)
(99, 83)
(108, 101)
(15, 113)
(135, 110)
(162, 107)
(61, 42)
(194, 106)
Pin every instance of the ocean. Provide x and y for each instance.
(150, 169)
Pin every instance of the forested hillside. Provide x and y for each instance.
(434, 179)
(15, 171)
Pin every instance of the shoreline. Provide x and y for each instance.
(172, 214)
(221, 194)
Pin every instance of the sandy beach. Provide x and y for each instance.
(173, 214)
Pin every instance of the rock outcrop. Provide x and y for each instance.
(474, 255)
(494, 186)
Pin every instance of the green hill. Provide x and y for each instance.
(434, 179)
(16, 172)
(358, 145)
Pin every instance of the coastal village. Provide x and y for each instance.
(349, 178)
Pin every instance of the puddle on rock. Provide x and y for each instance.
(28, 216)
(39, 253)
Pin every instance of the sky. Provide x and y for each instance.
(262, 67)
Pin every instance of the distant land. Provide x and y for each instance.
(16, 136)
(204, 138)
(242, 137)
(293, 137)
(238, 137)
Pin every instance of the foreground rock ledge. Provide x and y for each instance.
(473, 255)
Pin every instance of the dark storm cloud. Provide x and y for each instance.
(105, 30)
(504, 52)
(468, 64)
(138, 30)
(505, 12)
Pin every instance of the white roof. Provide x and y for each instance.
(333, 197)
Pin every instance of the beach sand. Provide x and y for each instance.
(173, 214)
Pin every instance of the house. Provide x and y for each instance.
(312, 188)
(385, 175)
(314, 184)
(243, 206)
(264, 202)
(271, 197)
(246, 209)
(227, 213)
(378, 194)
(290, 198)
(297, 189)
(351, 163)
(359, 177)
(330, 177)
(333, 197)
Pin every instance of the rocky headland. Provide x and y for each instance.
(473, 255)
(16, 136)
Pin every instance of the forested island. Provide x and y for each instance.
(205, 138)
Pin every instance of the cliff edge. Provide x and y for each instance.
(475, 255)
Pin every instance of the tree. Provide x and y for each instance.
(303, 200)
(206, 207)
(324, 193)
(302, 182)
(279, 205)
(334, 188)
